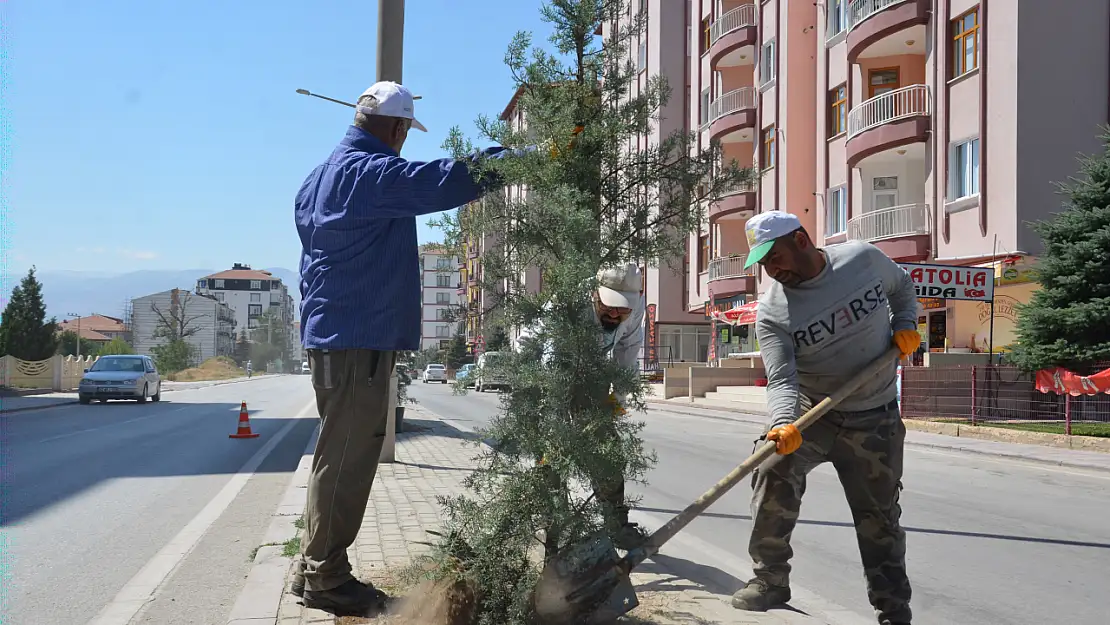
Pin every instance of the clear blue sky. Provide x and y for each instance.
(160, 135)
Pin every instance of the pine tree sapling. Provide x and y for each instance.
(24, 330)
(592, 202)
(1067, 321)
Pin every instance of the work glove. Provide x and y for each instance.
(618, 409)
(907, 341)
(554, 149)
(787, 439)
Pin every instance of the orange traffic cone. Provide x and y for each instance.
(244, 425)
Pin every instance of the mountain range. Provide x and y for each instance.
(87, 292)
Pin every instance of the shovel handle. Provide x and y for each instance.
(765, 451)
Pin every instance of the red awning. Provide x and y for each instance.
(1057, 380)
(739, 316)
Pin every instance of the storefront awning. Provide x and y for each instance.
(739, 316)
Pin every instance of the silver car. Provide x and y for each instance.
(121, 377)
(435, 373)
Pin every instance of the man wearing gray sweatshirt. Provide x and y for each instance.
(828, 313)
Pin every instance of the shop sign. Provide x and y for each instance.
(947, 282)
(650, 331)
(931, 303)
(722, 304)
(1004, 307)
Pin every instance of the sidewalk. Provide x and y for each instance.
(20, 403)
(1059, 456)
(433, 458)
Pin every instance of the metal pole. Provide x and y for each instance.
(391, 37)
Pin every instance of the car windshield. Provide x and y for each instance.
(436, 367)
(118, 364)
(493, 359)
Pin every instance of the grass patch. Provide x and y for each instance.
(219, 368)
(1097, 429)
(299, 523)
(291, 547)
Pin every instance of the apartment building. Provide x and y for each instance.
(440, 302)
(209, 322)
(251, 293)
(935, 129)
(96, 328)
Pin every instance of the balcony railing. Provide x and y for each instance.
(746, 186)
(891, 223)
(732, 21)
(860, 10)
(729, 267)
(731, 102)
(911, 101)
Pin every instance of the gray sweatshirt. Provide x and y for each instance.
(817, 335)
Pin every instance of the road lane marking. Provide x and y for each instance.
(145, 585)
(110, 425)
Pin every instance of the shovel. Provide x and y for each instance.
(588, 583)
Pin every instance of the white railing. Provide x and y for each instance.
(728, 267)
(740, 17)
(860, 10)
(889, 223)
(911, 101)
(731, 102)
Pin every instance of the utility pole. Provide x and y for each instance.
(391, 37)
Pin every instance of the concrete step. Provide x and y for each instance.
(728, 402)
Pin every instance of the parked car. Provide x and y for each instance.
(487, 374)
(121, 377)
(435, 373)
(305, 368)
(465, 375)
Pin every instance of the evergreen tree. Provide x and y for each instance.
(1067, 321)
(242, 348)
(498, 340)
(24, 331)
(592, 201)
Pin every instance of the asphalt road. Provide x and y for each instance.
(991, 541)
(91, 494)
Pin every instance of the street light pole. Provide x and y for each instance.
(391, 37)
(78, 317)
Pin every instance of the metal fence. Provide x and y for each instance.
(995, 395)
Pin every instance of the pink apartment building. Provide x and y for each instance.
(934, 129)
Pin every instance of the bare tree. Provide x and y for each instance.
(176, 323)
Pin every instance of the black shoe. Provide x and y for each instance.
(351, 598)
(298, 587)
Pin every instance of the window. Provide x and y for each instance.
(836, 211)
(641, 62)
(442, 331)
(443, 298)
(767, 153)
(252, 323)
(256, 285)
(767, 63)
(643, 7)
(965, 43)
(254, 310)
(706, 99)
(219, 296)
(706, 34)
(838, 17)
(256, 297)
(718, 84)
(838, 110)
(219, 284)
(445, 344)
(442, 280)
(703, 253)
(443, 264)
(963, 170)
(202, 284)
(443, 314)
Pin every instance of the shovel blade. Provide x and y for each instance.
(582, 582)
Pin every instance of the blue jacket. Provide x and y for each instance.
(356, 217)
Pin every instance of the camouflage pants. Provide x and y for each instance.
(865, 448)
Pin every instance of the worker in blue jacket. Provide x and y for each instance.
(360, 289)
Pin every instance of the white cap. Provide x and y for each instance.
(619, 287)
(763, 229)
(391, 100)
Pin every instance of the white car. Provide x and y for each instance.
(305, 368)
(435, 373)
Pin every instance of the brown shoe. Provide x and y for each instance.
(759, 596)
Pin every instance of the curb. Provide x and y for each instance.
(31, 408)
(917, 426)
(168, 390)
(260, 599)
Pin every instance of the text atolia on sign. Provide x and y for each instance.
(947, 282)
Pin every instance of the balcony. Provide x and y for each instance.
(738, 203)
(732, 116)
(901, 232)
(872, 22)
(729, 36)
(727, 277)
(887, 121)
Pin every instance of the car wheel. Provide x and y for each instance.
(157, 396)
(142, 398)
(83, 400)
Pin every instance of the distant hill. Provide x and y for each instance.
(86, 292)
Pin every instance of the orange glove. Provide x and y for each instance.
(787, 439)
(553, 148)
(618, 409)
(907, 341)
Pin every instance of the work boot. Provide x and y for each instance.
(298, 586)
(349, 598)
(759, 596)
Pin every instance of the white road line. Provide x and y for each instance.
(111, 425)
(145, 585)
